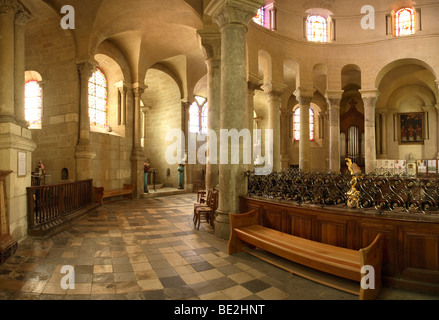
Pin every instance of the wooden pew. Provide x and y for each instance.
(323, 259)
(99, 194)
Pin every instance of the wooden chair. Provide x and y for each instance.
(203, 204)
(201, 194)
(207, 211)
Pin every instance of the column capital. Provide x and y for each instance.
(8, 7)
(274, 88)
(333, 97)
(383, 112)
(304, 95)
(210, 43)
(86, 68)
(225, 12)
(138, 91)
(369, 93)
(22, 16)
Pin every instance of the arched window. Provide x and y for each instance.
(260, 17)
(317, 28)
(33, 104)
(198, 116)
(296, 125)
(97, 99)
(405, 22)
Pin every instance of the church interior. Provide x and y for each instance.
(136, 94)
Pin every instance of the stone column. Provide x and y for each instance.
(84, 154)
(211, 44)
(21, 18)
(252, 86)
(334, 98)
(185, 107)
(137, 155)
(383, 122)
(369, 98)
(437, 129)
(378, 133)
(232, 16)
(7, 58)
(285, 116)
(144, 111)
(304, 96)
(274, 93)
(122, 116)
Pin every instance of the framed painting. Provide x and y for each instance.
(411, 128)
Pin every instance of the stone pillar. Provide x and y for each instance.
(285, 116)
(232, 16)
(188, 179)
(7, 58)
(144, 111)
(137, 155)
(252, 86)
(304, 96)
(211, 44)
(378, 133)
(274, 93)
(369, 98)
(383, 123)
(334, 98)
(437, 129)
(122, 116)
(84, 155)
(21, 18)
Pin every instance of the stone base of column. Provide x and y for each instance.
(222, 225)
(7, 118)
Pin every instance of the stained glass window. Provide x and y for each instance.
(405, 22)
(296, 125)
(33, 104)
(204, 119)
(260, 17)
(97, 99)
(194, 118)
(198, 116)
(317, 28)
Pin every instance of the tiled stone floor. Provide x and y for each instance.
(148, 250)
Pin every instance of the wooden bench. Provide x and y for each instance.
(323, 263)
(99, 194)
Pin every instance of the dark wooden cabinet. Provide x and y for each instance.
(411, 242)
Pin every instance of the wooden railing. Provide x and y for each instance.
(46, 204)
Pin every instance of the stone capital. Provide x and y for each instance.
(333, 97)
(86, 69)
(8, 7)
(370, 97)
(274, 89)
(22, 17)
(224, 12)
(210, 42)
(304, 95)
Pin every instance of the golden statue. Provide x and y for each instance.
(353, 194)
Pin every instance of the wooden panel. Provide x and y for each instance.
(272, 218)
(300, 225)
(332, 231)
(368, 230)
(419, 254)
